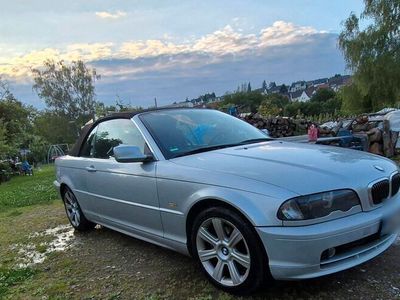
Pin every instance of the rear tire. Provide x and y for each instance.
(74, 212)
(229, 251)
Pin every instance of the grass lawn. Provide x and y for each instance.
(15, 194)
(28, 190)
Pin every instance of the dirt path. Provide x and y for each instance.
(104, 264)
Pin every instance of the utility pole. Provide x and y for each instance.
(155, 102)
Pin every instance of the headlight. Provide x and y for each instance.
(317, 205)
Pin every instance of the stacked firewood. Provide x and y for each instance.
(375, 131)
(277, 126)
(381, 139)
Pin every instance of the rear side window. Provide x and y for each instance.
(116, 132)
(88, 147)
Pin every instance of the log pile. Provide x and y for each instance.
(277, 126)
(381, 140)
(376, 133)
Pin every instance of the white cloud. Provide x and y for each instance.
(149, 48)
(108, 15)
(283, 33)
(225, 41)
(210, 48)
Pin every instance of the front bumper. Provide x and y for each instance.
(297, 252)
(57, 185)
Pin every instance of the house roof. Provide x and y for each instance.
(320, 81)
(310, 91)
(323, 86)
(296, 94)
(275, 89)
(302, 82)
(339, 80)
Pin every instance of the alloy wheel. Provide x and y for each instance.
(72, 208)
(223, 251)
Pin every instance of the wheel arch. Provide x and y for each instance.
(202, 205)
(63, 188)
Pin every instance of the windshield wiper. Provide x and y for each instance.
(205, 149)
(216, 147)
(251, 141)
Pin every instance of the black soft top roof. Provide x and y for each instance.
(120, 115)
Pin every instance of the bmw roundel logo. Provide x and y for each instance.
(379, 168)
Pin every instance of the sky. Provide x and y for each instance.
(172, 50)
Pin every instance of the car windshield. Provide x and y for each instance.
(180, 132)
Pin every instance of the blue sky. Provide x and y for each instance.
(173, 49)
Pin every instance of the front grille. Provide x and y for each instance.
(380, 191)
(395, 184)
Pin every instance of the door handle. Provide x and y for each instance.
(91, 169)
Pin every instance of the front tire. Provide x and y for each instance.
(229, 251)
(74, 212)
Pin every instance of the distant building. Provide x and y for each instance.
(322, 86)
(317, 82)
(180, 104)
(275, 89)
(298, 91)
(338, 81)
(302, 96)
(297, 86)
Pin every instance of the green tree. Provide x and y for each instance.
(353, 101)
(283, 89)
(372, 53)
(38, 147)
(67, 89)
(264, 85)
(4, 90)
(324, 101)
(55, 128)
(15, 122)
(323, 95)
(273, 105)
(249, 88)
(246, 102)
(16, 118)
(4, 148)
(293, 109)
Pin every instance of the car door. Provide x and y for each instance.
(78, 172)
(125, 194)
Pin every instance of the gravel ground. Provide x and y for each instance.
(104, 264)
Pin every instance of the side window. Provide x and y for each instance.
(116, 132)
(87, 148)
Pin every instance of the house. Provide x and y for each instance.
(302, 96)
(277, 89)
(322, 86)
(298, 86)
(180, 104)
(318, 82)
(338, 81)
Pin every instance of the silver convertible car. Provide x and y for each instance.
(247, 207)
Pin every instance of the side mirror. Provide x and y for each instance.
(127, 154)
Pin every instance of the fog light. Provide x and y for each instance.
(329, 253)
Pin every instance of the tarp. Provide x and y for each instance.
(394, 120)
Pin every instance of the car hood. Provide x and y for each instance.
(296, 167)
